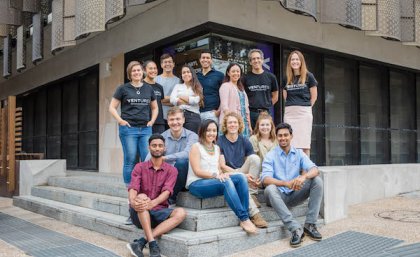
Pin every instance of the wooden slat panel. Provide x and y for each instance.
(11, 176)
(3, 139)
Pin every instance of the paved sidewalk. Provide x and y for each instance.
(397, 217)
(363, 218)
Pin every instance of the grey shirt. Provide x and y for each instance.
(178, 148)
(168, 85)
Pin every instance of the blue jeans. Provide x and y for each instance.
(134, 141)
(235, 190)
(182, 166)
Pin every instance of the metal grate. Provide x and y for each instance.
(115, 10)
(90, 17)
(38, 241)
(347, 244)
(389, 20)
(347, 13)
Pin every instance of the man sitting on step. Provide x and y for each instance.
(286, 187)
(237, 155)
(178, 142)
(152, 183)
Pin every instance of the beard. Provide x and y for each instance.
(157, 154)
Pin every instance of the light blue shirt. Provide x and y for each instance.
(177, 148)
(279, 165)
(168, 85)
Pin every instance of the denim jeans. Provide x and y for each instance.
(313, 188)
(235, 190)
(182, 166)
(134, 141)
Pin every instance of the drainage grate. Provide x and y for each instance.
(400, 215)
(412, 250)
(347, 244)
(38, 241)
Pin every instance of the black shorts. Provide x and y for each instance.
(156, 217)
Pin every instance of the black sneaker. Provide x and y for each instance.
(154, 250)
(129, 221)
(312, 232)
(136, 247)
(297, 238)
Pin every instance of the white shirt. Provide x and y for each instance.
(194, 100)
(208, 163)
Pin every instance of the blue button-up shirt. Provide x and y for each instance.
(211, 84)
(177, 149)
(279, 165)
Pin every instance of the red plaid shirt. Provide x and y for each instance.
(145, 179)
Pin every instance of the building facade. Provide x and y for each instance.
(368, 108)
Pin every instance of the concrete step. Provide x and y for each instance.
(196, 220)
(99, 202)
(202, 220)
(100, 176)
(177, 243)
(95, 185)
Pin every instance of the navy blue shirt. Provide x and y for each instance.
(236, 152)
(211, 83)
(297, 93)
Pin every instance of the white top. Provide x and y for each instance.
(208, 163)
(194, 100)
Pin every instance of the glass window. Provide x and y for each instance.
(224, 50)
(403, 120)
(54, 122)
(374, 133)
(40, 122)
(88, 121)
(341, 135)
(61, 121)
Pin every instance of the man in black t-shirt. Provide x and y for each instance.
(261, 86)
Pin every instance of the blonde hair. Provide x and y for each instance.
(240, 122)
(265, 116)
(174, 110)
(130, 67)
(303, 69)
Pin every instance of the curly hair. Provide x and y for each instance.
(240, 122)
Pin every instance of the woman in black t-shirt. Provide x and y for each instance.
(139, 111)
(300, 93)
(151, 71)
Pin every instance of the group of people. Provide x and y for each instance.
(212, 134)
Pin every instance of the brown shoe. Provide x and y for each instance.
(255, 199)
(249, 227)
(259, 221)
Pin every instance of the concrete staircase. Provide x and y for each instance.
(99, 202)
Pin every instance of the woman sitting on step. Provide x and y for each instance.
(206, 180)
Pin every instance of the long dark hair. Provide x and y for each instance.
(227, 77)
(195, 84)
(203, 130)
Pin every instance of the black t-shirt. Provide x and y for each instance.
(298, 94)
(158, 89)
(236, 152)
(135, 103)
(259, 87)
